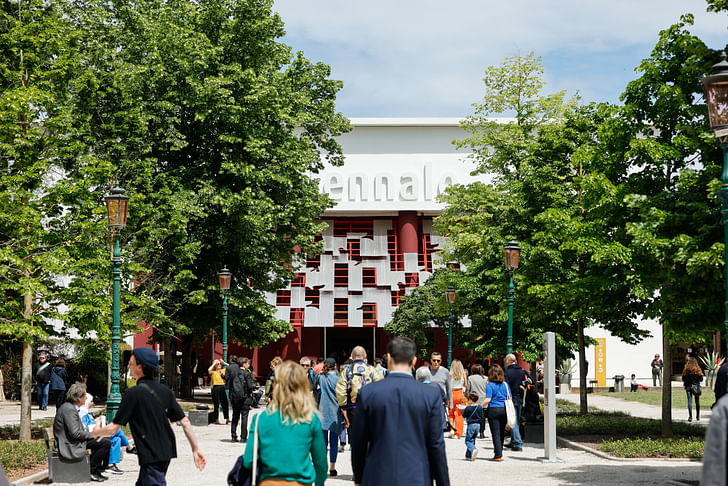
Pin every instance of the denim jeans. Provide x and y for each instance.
(471, 434)
(42, 391)
(516, 440)
(690, 404)
(330, 439)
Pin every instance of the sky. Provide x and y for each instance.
(425, 58)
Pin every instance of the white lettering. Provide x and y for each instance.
(427, 181)
(334, 187)
(445, 180)
(358, 187)
(383, 187)
(408, 190)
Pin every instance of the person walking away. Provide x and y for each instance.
(397, 435)
(458, 383)
(473, 413)
(73, 439)
(477, 383)
(378, 366)
(289, 423)
(330, 411)
(496, 393)
(656, 366)
(354, 378)
(149, 408)
(241, 396)
(516, 376)
(692, 375)
(42, 379)
(219, 399)
(59, 378)
(441, 376)
(721, 381)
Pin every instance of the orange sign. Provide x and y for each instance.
(600, 361)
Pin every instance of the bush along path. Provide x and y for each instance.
(621, 435)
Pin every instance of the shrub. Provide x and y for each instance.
(18, 456)
(679, 447)
(612, 424)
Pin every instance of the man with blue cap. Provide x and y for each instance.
(148, 408)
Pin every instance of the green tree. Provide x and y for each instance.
(559, 197)
(36, 46)
(674, 222)
(215, 128)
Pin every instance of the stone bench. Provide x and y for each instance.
(62, 470)
(200, 417)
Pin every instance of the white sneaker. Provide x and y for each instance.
(474, 454)
(449, 435)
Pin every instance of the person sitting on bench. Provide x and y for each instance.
(73, 439)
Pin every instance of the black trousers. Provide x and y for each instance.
(99, 453)
(59, 395)
(219, 400)
(241, 409)
(497, 421)
(153, 474)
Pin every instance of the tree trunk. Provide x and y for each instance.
(186, 391)
(582, 366)
(26, 374)
(25, 391)
(666, 384)
(170, 363)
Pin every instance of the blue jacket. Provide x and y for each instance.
(398, 434)
(59, 377)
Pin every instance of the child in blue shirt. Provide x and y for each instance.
(473, 414)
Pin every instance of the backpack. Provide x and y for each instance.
(240, 389)
(357, 376)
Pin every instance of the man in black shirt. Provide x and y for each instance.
(148, 408)
(240, 383)
(515, 375)
(42, 379)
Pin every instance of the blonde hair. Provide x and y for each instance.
(275, 361)
(292, 396)
(457, 372)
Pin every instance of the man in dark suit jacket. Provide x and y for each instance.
(72, 437)
(398, 437)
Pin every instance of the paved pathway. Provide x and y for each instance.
(577, 467)
(638, 409)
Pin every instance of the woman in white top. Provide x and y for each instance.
(458, 383)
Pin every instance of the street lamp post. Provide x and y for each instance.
(450, 297)
(716, 96)
(513, 254)
(225, 277)
(117, 205)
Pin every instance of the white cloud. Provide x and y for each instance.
(409, 57)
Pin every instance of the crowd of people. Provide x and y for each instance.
(317, 408)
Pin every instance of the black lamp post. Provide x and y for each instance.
(716, 96)
(225, 277)
(450, 297)
(512, 254)
(117, 205)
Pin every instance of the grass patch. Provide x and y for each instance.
(569, 407)
(611, 424)
(691, 447)
(654, 397)
(18, 456)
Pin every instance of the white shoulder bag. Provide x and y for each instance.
(510, 409)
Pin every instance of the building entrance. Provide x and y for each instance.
(340, 342)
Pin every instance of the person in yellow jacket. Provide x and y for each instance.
(219, 399)
(351, 380)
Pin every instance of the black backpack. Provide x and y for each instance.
(240, 389)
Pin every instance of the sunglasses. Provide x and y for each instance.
(437, 361)
(306, 365)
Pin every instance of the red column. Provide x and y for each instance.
(407, 232)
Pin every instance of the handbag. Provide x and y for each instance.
(510, 409)
(240, 475)
(695, 389)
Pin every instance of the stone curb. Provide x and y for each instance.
(581, 447)
(39, 476)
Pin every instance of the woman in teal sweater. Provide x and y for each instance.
(291, 447)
